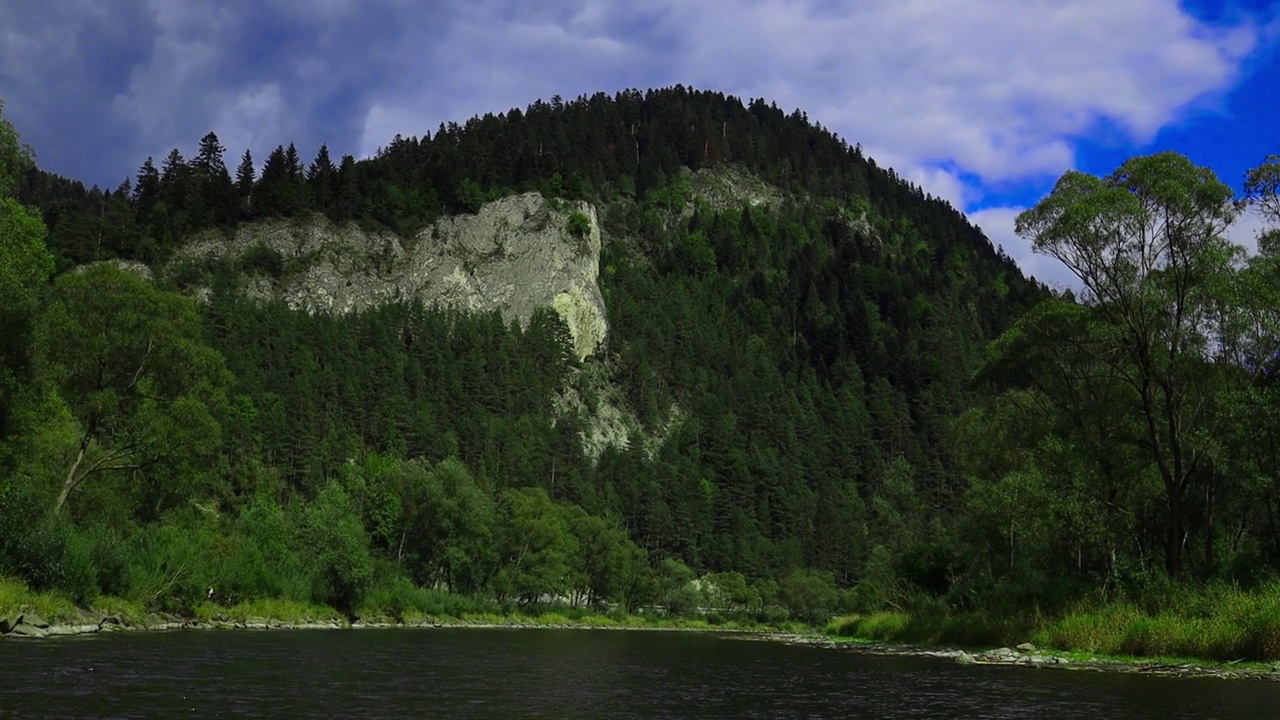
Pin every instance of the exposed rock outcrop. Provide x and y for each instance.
(515, 255)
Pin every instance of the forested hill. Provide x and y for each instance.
(793, 366)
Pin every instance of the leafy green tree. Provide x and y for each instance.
(264, 558)
(131, 365)
(15, 158)
(25, 267)
(1262, 190)
(730, 591)
(1147, 245)
(534, 545)
(338, 550)
(433, 521)
(463, 520)
(608, 565)
(810, 595)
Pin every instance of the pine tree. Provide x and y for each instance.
(213, 184)
(245, 176)
(293, 195)
(293, 163)
(147, 191)
(348, 203)
(272, 188)
(208, 160)
(320, 180)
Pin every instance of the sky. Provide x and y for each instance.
(983, 102)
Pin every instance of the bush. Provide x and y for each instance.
(15, 597)
(170, 564)
(1101, 631)
(38, 557)
(773, 614)
(393, 597)
(342, 565)
(579, 224)
(79, 571)
(1264, 635)
(684, 600)
(810, 594)
(876, 626)
(262, 259)
(111, 559)
(261, 561)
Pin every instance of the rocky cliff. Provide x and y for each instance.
(515, 255)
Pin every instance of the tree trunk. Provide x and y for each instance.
(72, 479)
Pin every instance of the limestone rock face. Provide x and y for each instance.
(515, 255)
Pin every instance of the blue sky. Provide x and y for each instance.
(984, 102)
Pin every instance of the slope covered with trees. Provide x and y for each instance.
(861, 403)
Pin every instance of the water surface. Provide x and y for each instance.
(509, 673)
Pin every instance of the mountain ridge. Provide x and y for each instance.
(790, 331)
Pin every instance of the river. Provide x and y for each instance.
(509, 673)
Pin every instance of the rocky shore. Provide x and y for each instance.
(1027, 655)
(32, 626)
(29, 626)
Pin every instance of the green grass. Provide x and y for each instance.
(291, 611)
(126, 610)
(16, 598)
(1218, 623)
(402, 601)
(394, 603)
(972, 629)
(1091, 631)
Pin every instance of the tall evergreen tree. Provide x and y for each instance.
(217, 195)
(321, 178)
(245, 176)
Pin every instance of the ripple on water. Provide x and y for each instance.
(492, 673)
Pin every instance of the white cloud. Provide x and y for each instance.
(960, 98)
(1247, 228)
(998, 225)
(252, 120)
(957, 97)
(998, 88)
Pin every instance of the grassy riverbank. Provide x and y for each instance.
(1208, 625)
(419, 608)
(1215, 623)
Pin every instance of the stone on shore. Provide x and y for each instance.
(22, 629)
(33, 620)
(56, 630)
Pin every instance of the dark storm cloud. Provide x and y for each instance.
(96, 87)
(61, 64)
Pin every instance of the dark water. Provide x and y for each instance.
(560, 674)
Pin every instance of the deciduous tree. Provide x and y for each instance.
(130, 363)
(1147, 245)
